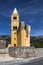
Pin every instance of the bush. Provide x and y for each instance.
(38, 45)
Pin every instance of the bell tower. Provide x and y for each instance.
(14, 27)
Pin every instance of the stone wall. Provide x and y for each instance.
(23, 52)
(38, 52)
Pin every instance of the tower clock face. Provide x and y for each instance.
(14, 22)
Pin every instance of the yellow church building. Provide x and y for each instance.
(20, 33)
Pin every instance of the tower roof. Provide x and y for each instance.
(15, 11)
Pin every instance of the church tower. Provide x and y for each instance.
(14, 27)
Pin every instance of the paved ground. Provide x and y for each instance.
(22, 62)
(36, 62)
(6, 57)
(6, 60)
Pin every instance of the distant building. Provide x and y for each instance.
(20, 33)
(2, 43)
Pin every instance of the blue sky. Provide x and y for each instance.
(30, 11)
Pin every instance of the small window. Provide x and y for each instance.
(14, 17)
(15, 28)
(14, 32)
(14, 45)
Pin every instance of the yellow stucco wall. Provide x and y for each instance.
(19, 38)
(14, 32)
(23, 37)
(19, 33)
(13, 36)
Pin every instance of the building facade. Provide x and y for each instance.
(20, 33)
